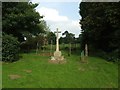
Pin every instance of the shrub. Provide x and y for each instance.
(10, 48)
(28, 45)
(109, 56)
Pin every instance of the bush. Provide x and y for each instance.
(28, 45)
(10, 48)
(109, 56)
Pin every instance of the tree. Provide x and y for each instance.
(51, 36)
(44, 28)
(22, 21)
(69, 37)
(100, 26)
(20, 17)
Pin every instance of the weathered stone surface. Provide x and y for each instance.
(57, 58)
(57, 53)
(52, 58)
(28, 71)
(57, 61)
(14, 76)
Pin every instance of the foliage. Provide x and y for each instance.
(44, 27)
(10, 48)
(69, 38)
(51, 37)
(20, 17)
(33, 42)
(22, 21)
(28, 44)
(101, 26)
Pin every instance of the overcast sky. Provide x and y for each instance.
(60, 14)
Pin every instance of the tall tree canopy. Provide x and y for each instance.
(69, 38)
(101, 25)
(20, 17)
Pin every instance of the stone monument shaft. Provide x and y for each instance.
(57, 39)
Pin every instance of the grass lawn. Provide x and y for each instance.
(34, 71)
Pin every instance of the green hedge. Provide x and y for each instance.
(10, 48)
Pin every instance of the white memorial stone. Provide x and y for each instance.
(57, 54)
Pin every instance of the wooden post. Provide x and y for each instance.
(43, 46)
(82, 56)
(70, 49)
(37, 48)
(86, 52)
(51, 48)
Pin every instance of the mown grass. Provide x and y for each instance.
(97, 73)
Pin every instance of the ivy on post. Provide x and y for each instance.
(84, 54)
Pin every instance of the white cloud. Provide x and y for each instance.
(51, 14)
(75, 23)
(55, 20)
(70, 26)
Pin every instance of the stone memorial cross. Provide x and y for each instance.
(57, 58)
(57, 39)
